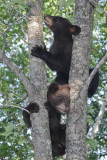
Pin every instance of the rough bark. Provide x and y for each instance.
(76, 123)
(40, 126)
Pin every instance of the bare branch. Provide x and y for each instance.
(19, 73)
(13, 106)
(96, 69)
(94, 3)
(95, 129)
(86, 85)
(99, 119)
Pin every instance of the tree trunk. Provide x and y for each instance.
(76, 123)
(40, 124)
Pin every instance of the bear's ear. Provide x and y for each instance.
(53, 88)
(75, 30)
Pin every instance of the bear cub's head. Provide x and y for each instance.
(61, 25)
(59, 97)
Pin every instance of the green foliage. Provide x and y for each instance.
(18, 4)
(13, 136)
(15, 142)
(93, 143)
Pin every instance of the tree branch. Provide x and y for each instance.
(95, 129)
(96, 4)
(86, 85)
(1, 106)
(19, 73)
(99, 119)
(13, 106)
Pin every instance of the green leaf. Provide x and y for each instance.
(8, 130)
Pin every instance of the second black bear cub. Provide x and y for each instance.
(59, 56)
(58, 97)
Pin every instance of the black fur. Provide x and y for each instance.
(32, 108)
(59, 56)
(59, 97)
(57, 130)
(94, 84)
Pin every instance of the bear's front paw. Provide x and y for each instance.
(33, 107)
(37, 51)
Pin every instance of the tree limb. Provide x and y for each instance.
(11, 105)
(95, 129)
(19, 73)
(86, 85)
(94, 3)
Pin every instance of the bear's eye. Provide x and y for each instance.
(55, 18)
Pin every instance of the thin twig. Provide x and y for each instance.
(86, 85)
(98, 122)
(95, 3)
(96, 69)
(19, 73)
(13, 106)
(95, 129)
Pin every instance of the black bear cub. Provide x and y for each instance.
(59, 56)
(58, 102)
(58, 97)
(58, 59)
